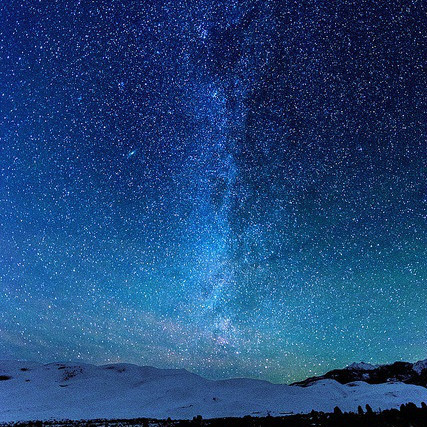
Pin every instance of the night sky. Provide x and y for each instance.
(238, 188)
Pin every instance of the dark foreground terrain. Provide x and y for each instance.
(408, 415)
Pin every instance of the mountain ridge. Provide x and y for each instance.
(405, 372)
(35, 391)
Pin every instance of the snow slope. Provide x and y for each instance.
(30, 391)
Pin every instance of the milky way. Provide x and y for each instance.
(234, 188)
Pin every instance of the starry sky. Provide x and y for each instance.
(237, 188)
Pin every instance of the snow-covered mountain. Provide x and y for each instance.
(408, 373)
(30, 391)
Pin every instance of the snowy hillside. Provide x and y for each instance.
(31, 391)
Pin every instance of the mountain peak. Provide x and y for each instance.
(420, 366)
(361, 366)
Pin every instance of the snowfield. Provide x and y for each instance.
(32, 391)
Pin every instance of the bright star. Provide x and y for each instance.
(132, 153)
